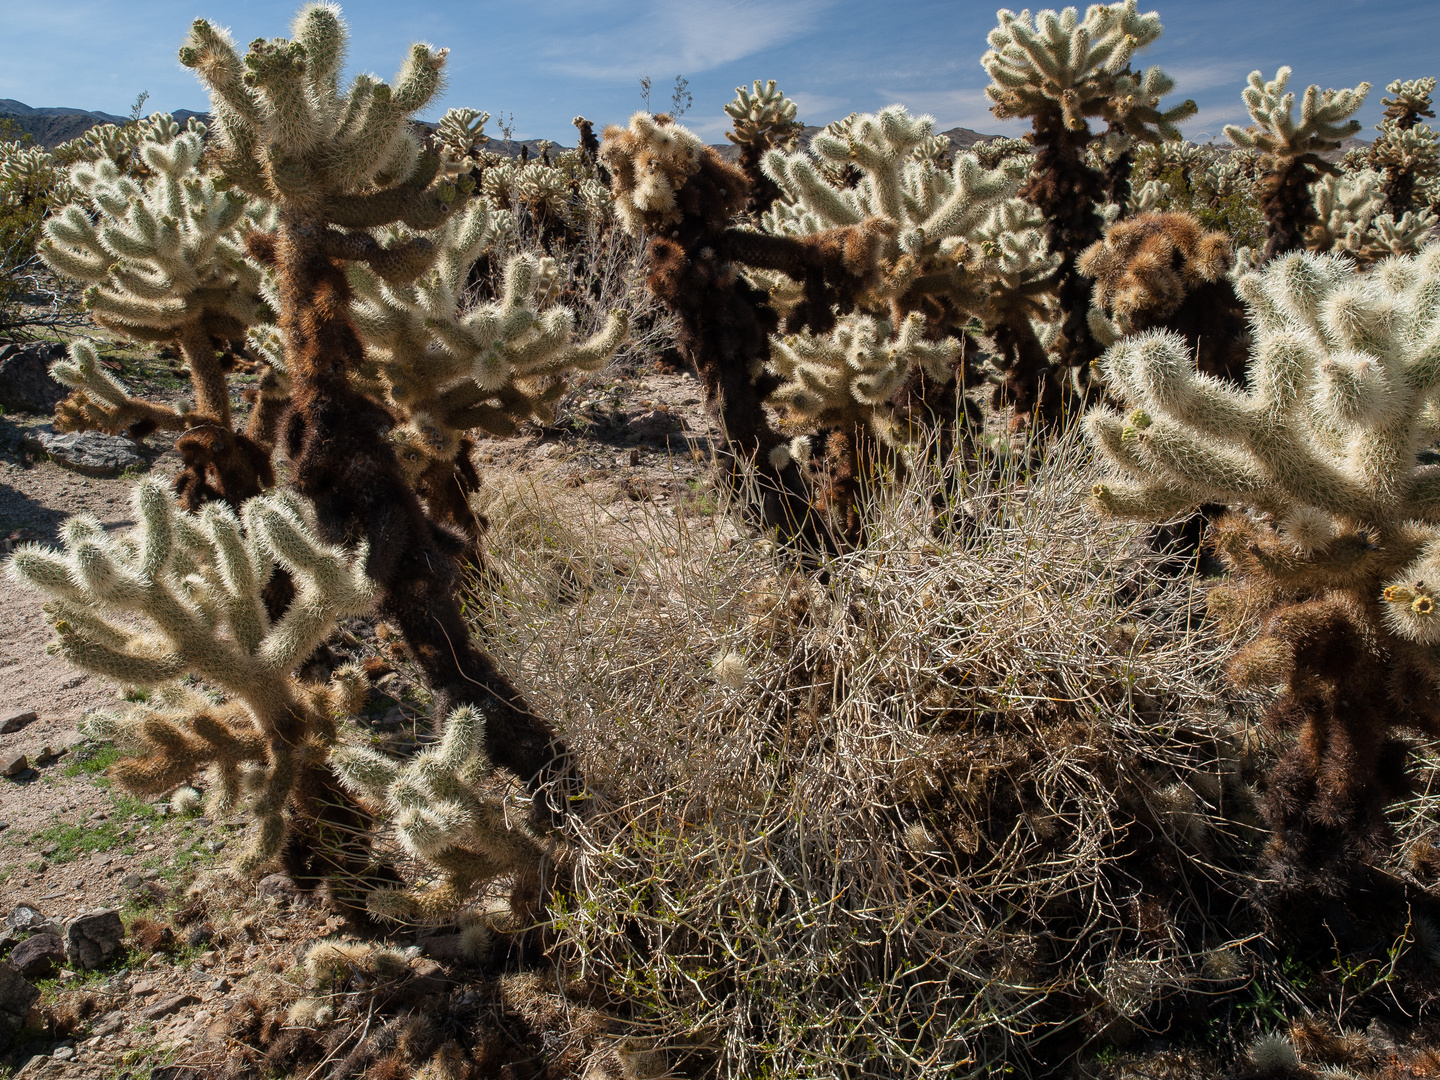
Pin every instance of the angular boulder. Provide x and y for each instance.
(16, 998)
(94, 939)
(38, 957)
(26, 384)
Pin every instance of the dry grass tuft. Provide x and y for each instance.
(950, 802)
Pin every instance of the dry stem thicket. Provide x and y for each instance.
(903, 763)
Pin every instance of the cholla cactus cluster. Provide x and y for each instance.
(1059, 70)
(1290, 148)
(181, 595)
(1337, 553)
(1166, 271)
(444, 815)
(164, 261)
(1082, 68)
(956, 243)
(763, 120)
(449, 367)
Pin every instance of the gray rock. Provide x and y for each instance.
(25, 917)
(132, 881)
(108, 1024)
(91, 452)
(16, 998)
(275, 885)
(15, 719)
(25, 381)
(655, 425)
(168, 1005)
(37, 957)
(91, 940)
(63, 1053)
(13, 765)
(9, 938)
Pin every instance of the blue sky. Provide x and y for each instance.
(546, 60)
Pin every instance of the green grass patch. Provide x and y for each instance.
(92, 760)
(115, 833)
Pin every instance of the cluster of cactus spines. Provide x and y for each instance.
(1059, 70)
(1168, 272)
(181, 594)
(1338, 553)
(101, 401)
(955, 244)
(1407, 157)
(338, 166)
(763, 119)
(162, 259)
(30, 176)
(443, 815)
(668, 184)
(461, 132)
(564, 199)
(1411, 101)
(1349, 220)
(1290, 149)
(448, 369)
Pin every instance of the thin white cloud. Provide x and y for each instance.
(689, 37)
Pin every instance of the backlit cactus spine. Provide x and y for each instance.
(449, 369)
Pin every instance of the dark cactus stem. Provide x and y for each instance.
(763, 190)
(1399, 189)
(1117, 177)
(1066, 191)
(1285, 201)
(1030, 385)
(343, 462)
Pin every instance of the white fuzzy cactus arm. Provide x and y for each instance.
(163, 258)
(103, 402)
(443, 815)
(450, 369)
(847, 377)
(1324, 117)
(181, 594)
(1345, 370)
(1058, 62)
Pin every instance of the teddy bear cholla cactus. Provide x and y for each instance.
(956, 243)
(668, 185)
(763, 120)
(1058, 70)
(1290, 150)
(449, 369)
(163, 260)
(339, 165)
(1340, 551)
(1166, 271)
(1350, 221)
(444, 815)
(180, 594)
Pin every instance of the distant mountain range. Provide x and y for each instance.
(51, 126)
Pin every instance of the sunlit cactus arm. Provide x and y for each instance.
(1336, 406)
(101, 401)
(444, 816)
(1059, 70)
(763, 119)
(181, 593)
(1290, 149)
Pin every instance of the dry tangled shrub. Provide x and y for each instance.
(952, 801)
